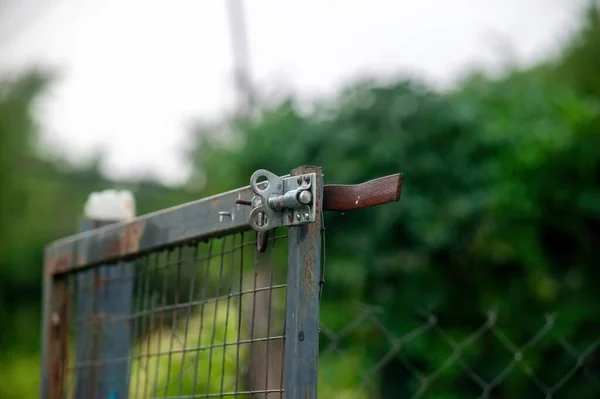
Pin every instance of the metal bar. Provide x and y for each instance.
(59, 324)
(84, 345)
(115, 298)
(112, 294)
(194, 220)
(340, 197)
(302, 303)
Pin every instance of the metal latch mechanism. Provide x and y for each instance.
(281, 201)
(290, 200)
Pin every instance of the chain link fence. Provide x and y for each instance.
(433, 357)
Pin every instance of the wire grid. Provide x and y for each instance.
(434, 359)
(201, 320)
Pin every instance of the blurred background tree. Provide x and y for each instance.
(500, 213)
(42, 199)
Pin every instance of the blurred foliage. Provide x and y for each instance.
(500, 211)
(41, 199)
(577, 64)
(173, 375)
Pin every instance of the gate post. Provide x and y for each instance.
(302, 302)
(105, 291)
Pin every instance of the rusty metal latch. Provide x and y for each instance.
(288, 201)
(343, 198)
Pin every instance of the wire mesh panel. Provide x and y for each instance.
(186, 302)
(206, 320)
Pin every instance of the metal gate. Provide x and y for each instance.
(189, 302)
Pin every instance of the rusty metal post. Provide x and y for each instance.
(101, 293)
(58, 324)
(302, 303)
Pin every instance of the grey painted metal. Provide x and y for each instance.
(116, 342)
(192, 221)
(108, 291)
(278, 204)
(302, 303)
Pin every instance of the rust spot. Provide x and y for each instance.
(55, 319)
(130, 240)
(58, 339)
(98, 282)
(60, 263)
(113, 246)
(262, 239)
(309, 270)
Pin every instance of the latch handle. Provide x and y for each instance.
(341, 197)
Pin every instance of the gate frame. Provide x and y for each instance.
(212, 217)
(197, 220)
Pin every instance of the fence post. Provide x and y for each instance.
(55, 334)
(302, 303)
(104, 292)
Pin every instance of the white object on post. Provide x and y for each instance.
(116, 205)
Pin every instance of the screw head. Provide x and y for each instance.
(299, 180)
(305, 197)
(307, 179)
(298, 216)
(306, 216)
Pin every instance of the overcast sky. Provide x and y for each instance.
(134, 73)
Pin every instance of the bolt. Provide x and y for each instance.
(306, 216)
(305, 197)
(55, 319)
(298, 216)
(261, 219)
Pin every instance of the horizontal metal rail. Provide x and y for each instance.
(214, 216)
